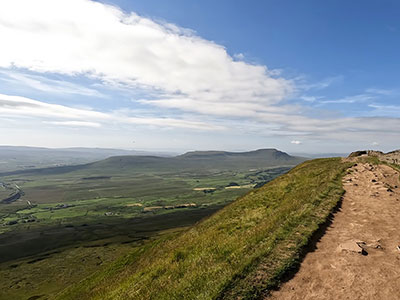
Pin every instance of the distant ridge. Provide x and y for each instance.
(14, 158)
(194, 160)
(259, 152)
(209, 160)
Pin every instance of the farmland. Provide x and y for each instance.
(93, 214)
(240, 252)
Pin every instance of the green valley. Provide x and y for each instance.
(238, 253)
(90, 215)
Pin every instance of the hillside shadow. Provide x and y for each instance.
(37, 242)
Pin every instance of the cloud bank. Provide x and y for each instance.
(84, 37)
(15, 106)
(189, 82)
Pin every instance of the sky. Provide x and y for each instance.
(300, 76)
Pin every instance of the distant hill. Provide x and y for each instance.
(21, 158)
(191, 161)
(240, 160)
(260, 153)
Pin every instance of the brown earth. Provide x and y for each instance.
(358, 257)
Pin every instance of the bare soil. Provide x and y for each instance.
(359, 255)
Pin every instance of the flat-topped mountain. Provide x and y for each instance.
(202, 161)
(260, 153)
(260, 158)
(195, 160)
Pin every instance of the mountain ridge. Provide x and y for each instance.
(13, 158)
(195, 160)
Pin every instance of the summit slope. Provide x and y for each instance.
(359, 256)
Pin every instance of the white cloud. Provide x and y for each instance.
(384, 110)
(239, 56)
(351, 99)
(172, 66)
(74, 123)
(383, 92)
(374, 143)
(41, 83)
(276, 122)
(296, 142)
(320, 85)
(15, 106)
(22, 106)
(85, 37)
(310, 98)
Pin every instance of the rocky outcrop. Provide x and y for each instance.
(390, 157)
(358, 153)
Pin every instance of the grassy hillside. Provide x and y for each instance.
(238, 252)
(111, 206)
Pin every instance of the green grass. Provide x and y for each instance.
(97, 197)
(46, 236)
(70, 250)
(239, 252)
(376, 161)
(394, 166)
(45, 274)
(85, 221)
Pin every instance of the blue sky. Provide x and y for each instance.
(301, 76)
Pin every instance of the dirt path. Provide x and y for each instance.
(358, 257)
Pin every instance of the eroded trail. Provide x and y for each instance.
(359, 255)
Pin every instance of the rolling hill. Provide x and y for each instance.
(14, 158)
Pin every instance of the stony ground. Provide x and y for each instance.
(359, 255)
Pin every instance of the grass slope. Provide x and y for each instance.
(237, 253)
